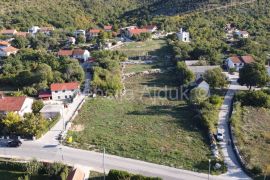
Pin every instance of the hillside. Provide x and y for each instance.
(87, 13)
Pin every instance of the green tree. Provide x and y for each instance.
(11, 122)
(33, 124)
(185, 75)
(20, 42)
(253, 74)
(37, 106)
(197, 96)
(80, 39)
(215, 78)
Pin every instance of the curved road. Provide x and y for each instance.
(48, 149)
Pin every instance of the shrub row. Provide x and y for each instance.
(123, 175)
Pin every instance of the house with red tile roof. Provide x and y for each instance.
(22, 34)
(20, 105)
(130, 32)
(80, 54)
(93, 33)
(8, 32)
(108, 28)
(150, 28)
(4, 44)
(7, 51)
(65, 91)
(238, 62)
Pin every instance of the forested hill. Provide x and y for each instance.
(87, 13)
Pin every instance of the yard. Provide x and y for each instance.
(156, 48)
(252, 127)
(14, 175)
(144, 48)
(145, 124)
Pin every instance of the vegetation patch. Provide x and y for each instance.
(144, 126)
(252, 129)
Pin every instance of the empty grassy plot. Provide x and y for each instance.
(146, 124)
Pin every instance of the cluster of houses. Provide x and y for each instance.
(232, 31)
(131, 31)
(6, 49)
(80, 54)
(22, 104)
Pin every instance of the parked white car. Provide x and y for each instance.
(220, 136)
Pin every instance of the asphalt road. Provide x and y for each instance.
(55, 152)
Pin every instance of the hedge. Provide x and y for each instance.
(123, 175)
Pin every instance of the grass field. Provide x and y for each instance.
(142, 126)
(157, 48)
(252, 127)
(149, 47)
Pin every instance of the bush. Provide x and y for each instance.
(254, 98)
(215, 100)
(15, 166)
(256, 170)
(123, 175)
(37, 106)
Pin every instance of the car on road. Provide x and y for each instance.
(220, 136)
(14, 143)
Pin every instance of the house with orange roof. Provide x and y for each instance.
(108, 28)
(8, 32)
(133, 31)
(93, 33)
(80, 54)
(65, 91)
(20, 105)
(238, 62)
(7, 51)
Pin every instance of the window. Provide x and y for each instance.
(56, 91)
(59, 97)
(64, 91)
(70, 96)
(66, 97)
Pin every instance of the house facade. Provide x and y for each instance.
(80, 54)
(93, 33)
(7, 51)
(20, 105)
(183, 36)
(238, 62)
(64, 91)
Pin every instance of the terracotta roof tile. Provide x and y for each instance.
(94, 30)
(8, 31)
(235, 59)
(78, 52)
(247, 59)
(11, 103)
(4, 43)
(137, 31)
(65, 52)
(10, 49)
(64, 86)
(107, 27)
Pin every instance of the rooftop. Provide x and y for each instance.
(64, 86)
(11, 103)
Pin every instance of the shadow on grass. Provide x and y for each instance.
(183, 116)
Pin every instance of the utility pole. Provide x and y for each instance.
(209, 169)
(104, 164)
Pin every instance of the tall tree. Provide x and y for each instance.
(215, 78)
(185, 75)
(253, 74)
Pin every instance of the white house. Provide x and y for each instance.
(200, 83)
(65, 91)
(79, 32)
(81, 54)
(238, 62)
(34, 30)
(183, 36)
(20, 105)
(241, 34)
